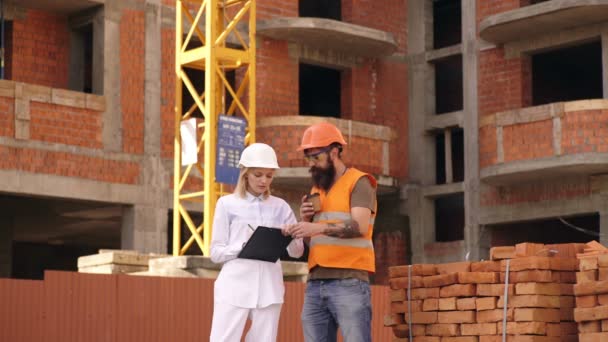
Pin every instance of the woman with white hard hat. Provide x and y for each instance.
(248, 288)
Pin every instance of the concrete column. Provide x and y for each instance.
(601, 204)
(605, 63)
(6, 246)
(604, 228)
(472, 235)
(145, 226)
(447, 147)
(144, 229)
(152, 78)
(421, 152)
(112, 118)
(98, 52)
(422, 215)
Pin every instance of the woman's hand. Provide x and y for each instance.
(285, 229)
(305, 229)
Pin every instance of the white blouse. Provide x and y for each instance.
(248, 283)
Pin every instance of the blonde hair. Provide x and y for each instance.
(241, 185)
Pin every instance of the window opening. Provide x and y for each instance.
(320, 91)
(447, 27)
(568, 74)
(579, 229)
(449, 167)
(8, 49)
(328, 9)
(457, 154)
(449, 218)
(448, 85)
(81, 59)
(531, 2)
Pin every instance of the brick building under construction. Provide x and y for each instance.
(484, 121)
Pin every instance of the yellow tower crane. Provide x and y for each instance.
(210, 24)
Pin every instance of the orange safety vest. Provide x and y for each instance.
(353, 253)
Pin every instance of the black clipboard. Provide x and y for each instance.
(266, 244)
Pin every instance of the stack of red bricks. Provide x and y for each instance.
(591, 292)
(464, 301)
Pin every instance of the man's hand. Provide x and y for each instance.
(305, 229)
(307, 211)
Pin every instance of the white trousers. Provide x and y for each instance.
(229, 321)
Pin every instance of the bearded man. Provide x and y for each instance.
(339, 234)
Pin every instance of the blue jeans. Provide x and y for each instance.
(333, 303)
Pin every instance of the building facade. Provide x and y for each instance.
(508, 96)
(484, 121)
(87, 118)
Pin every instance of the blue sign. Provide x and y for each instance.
(230, 144)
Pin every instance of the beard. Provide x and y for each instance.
(323, 178)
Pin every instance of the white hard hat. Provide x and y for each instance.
(259, 155)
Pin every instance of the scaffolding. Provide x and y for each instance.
(210, 24)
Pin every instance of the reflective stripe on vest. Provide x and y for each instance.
(330, 240)
(336, 215)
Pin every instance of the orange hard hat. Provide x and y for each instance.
(321, 135)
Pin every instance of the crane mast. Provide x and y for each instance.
(213, 36)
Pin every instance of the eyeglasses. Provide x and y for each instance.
(315, 156)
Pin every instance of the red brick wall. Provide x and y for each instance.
(360, 93)
(7, 117)
(167, 92)
(41, 49)
(503, 83)
(132, 68)
(377, 93)
(65, 125)
(277, 80)
(68, 165)
(528, 141)
(535, 192)
(384, 15)
(363, 153)
(369, 92)
(489, 7)
(585, 131)
(285, 140)
(267, 9)
(390, 250)
(393, 110)
(192, 184)
(487, 146)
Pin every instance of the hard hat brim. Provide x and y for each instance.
(307, 146)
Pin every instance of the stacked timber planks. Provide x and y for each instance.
(591, 291)
(465, 301)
